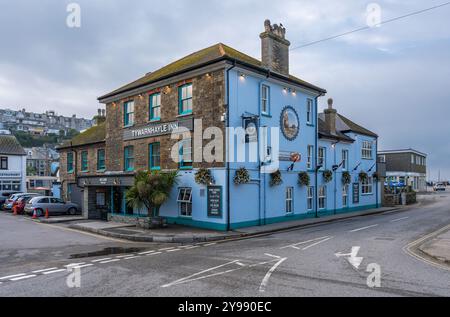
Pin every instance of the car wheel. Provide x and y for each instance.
(72, 211)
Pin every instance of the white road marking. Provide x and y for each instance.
(45, 270)
(192, 247)
(110, 261)
(209, 244)
(132, 257)
(166, 249)
(82, 266)
(124, 256)
(144, 253)
(22, 278)
(74, 265)
(361, 229)
(304, 242)
(11, 276)
(400, 219)
(262, 287)
(55, 271)
(100, 260)
(273, 256)
(185, 246)
(154, 253)
(317, 243)
(174, 250)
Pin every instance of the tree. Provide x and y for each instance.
(31, 171)
(151, 190)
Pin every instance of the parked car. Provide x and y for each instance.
(439, 187)
(20, 204)
(55, 206)
(13, 198)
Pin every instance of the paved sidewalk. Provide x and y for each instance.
(182, 234)
(62, 219)
(438, 247)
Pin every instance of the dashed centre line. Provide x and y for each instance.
(110, 261)
(55, 271)
(364, 228)
(11, 276)
(22, 278)
(45, 270)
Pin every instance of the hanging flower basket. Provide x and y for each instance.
(363, 177)
(346, 178)
(203, 176)
(275, 179)
(303, 179)
(242, 176)
(327, 176)
(376, 176)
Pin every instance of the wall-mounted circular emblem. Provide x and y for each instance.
(290, 123)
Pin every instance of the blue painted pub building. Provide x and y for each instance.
(322, 163)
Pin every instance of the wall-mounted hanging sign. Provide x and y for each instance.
(290, 123)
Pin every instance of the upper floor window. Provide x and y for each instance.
(265, 99)
(309, 162)
(186, 154)
(155, 156)
(4, 163)
(128, 113)
(367, 147)
(70, 162)
(128, 154)
(185, 99)
(321, 161)
(309, 111)
(101, 160)
(155, 107)
(84, 161)
(344, 159)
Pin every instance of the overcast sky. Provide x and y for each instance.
(393, 79)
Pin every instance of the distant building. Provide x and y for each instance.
(12, 165)
(405, 168)
(40, 161)
(41, 124)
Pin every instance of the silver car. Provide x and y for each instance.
(55, 206)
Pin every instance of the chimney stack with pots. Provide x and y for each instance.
(330, 117)
(275, 48)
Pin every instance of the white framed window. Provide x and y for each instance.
(322, 197)
(367, 186)
(321, 160)
(382, 159)
(185, 201)
(344, 160)
(310, 198)
(265, 99)
(309, 111)
(345, 196)
(289, 200)
(367, 147)
(412, 158)
(310, 158)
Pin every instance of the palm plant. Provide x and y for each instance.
(151, 190)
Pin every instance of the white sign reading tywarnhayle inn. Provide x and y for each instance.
(157, 129)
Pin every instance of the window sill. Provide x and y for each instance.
(267, 115)
(186, 168)
(155, 120)
(185, 114)
(101, 171)
(154, 169)
(310, 124)
(128, 126)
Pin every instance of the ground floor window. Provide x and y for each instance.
(13, 186)
(367, 186)
(322, 197)
(345, 196)
(185, 201)
(310, 198)
(289, 200)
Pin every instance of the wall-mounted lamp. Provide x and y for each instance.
(242, 76)
(208, 75)
(294, 92)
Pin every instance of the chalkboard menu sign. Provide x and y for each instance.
(356, 193)
(214, 201)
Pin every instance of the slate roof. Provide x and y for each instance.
(198, 59)
(343, 125)
(10, 146)
(96, 134)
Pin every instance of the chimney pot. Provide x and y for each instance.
(330, 117)
(275, 48)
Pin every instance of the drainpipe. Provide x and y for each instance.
(376, 170)
(316, 150)
(227, 158)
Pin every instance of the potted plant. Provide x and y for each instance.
(363, 177)
(275, 178)
(327, 176)
(203, 177)
(303, 179)
(242, 176)
(346, 178)
(151, 190)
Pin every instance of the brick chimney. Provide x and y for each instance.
(275, 48)
(330, 117)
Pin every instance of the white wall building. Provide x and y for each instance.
(13, 162)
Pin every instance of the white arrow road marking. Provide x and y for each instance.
(364, 228)
(22, 278)
(11, 276)
(304, 242)
(317, 243)
(400, 219)
(45, 270)
(262, 287)
(352, 257)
